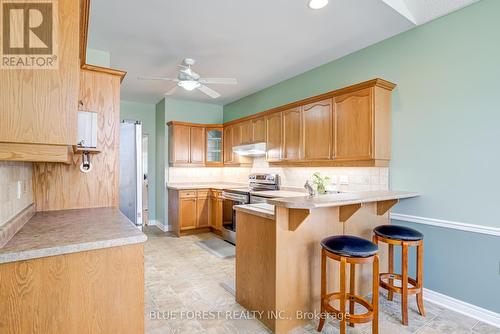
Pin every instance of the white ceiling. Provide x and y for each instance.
(259, 42)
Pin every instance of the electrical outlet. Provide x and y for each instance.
(344, 179)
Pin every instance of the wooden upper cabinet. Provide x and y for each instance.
(274, 138)
(38, 106)
(354, 125)
(259, 130)
(187, 145)
(246, 132)
(179, 142)
(318, 130)
(228, 145)
(237, 135)
(214, 146)
(292, 134)
(197, 145)
(346, 127)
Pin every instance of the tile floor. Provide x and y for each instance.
(182, 278)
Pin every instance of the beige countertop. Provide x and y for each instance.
(69, 231)
(203, 185)
(340, 199)
(258, 209)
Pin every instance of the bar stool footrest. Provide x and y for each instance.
(353, 318)
(414, 289)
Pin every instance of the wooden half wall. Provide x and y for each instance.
(63, 186)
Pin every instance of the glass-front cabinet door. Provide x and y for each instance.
(214, 146)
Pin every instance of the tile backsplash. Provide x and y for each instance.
(357, 178)
(10, 174)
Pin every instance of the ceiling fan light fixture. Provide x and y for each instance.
(317, 4)
(189, 84)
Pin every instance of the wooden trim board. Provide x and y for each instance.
(100, 69)
(84, 28)
(366, 84)
(34, 152)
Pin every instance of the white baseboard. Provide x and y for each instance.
(447, 224)
(462, 307)
(158, 224)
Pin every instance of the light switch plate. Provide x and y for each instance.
(19, 189)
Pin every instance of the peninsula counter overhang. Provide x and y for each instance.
(340, 199)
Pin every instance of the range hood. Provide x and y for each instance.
(251, 150)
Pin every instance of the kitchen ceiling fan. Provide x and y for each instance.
(190, 80)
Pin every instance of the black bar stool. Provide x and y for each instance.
(350, 250)
(404, 237)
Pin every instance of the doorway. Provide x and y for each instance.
(145, 183)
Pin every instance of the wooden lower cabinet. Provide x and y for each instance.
(202, 208)
(216, 205)
(193, 211)
(96, 291)
(188, 214)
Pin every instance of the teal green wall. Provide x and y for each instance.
(98, 57)
(146, 113)
(171, 109)
(446, 136)
(192, 111)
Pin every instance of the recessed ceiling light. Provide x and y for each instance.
(317, 4)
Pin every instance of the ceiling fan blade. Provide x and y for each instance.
(171, 91)
(209, 91)
(157, 78)
(219, 81)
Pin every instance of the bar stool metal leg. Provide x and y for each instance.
(420, 277)
(404, 284)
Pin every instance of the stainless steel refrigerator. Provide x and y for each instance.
(131, 176)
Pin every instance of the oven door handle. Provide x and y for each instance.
(234, 197)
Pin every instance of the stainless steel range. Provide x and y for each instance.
(242, 195)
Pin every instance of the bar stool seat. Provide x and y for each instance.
(396, 232)
(349, 250)
(349, 245)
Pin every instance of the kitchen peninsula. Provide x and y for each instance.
(71, 271)
(278, 256)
